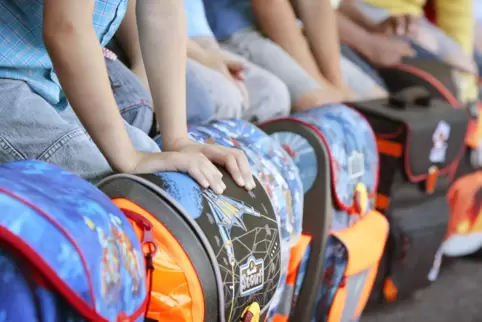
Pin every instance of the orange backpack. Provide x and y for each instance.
(464, 234)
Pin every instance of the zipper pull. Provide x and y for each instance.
(148, 244)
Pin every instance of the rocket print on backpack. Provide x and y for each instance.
(275, 170)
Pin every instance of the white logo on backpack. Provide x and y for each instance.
(440, 137)
(251, 276)
(356, 165)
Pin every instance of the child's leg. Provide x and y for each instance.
(268, 95)
(225, 97)
(305, 91)
(451, 52)
(30, 128)
(364, 86)
(199, 106)
(350, 54)
(446, 48)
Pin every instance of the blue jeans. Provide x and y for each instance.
(200, 108)
(30, 128)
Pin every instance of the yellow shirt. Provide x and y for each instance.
(454, 17)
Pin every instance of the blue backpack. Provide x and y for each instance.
(357, 233)
(275, 170)
(67, 253)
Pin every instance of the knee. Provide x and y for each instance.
(317, 97)
(463, 62)
(199, 106)
(427, 40)
(278, 102)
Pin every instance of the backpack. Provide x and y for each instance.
(439, 79)
(464, 233)
(421, 143)
(434, 76)
(67, 253)
(223, 253)
(275, 170)
(336, 142)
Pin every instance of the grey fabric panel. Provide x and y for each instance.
(354, 289)
(284, 307)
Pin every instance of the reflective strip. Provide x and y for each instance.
(284, 306)
(355, 285)
(296, 269)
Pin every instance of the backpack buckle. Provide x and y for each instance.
(361, 199)
(432, 178)
(251, 313)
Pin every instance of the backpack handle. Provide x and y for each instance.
(417, 96)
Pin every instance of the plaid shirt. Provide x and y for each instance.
(23, 55)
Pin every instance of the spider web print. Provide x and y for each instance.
(264, 245)
(260, 240)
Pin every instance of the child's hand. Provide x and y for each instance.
(196, 164)
(386, 51)
(233, 160)
(231, 68)
(196, 160)
(348, 94)
(404, 25)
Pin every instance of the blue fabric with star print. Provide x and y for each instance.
(351, 145)
(353, 154)
(67, 250)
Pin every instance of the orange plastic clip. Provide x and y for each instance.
(474, 131)
(431, 182)
(390, 290)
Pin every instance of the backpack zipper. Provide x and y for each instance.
(149, 243)
(147, 235)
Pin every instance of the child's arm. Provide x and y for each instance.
(163, 38)
(213, 58)
(162, 34)
(277, 21)
(77, 56)
(320, 26)
(378, 49)
(351, 11)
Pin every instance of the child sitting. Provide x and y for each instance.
(56, 103)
